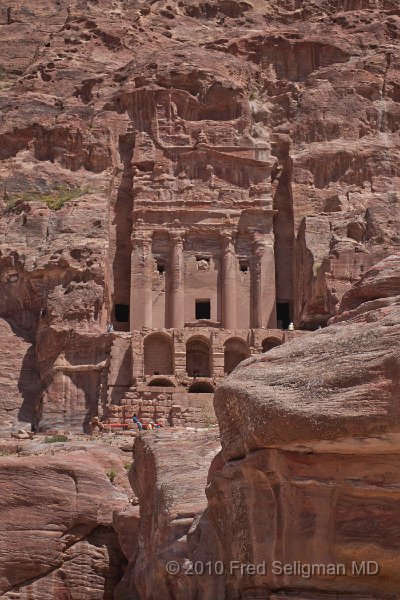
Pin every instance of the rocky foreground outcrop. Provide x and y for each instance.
(71, 526)
(310, 442)
(305, 487)
(169, 477)
(64, 516)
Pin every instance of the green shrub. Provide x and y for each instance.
(128, 465)
(111, 474)
(55, 438)
(54, 199)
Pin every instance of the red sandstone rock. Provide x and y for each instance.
(171, 495)
(381, 281)
(97, 103)
(310, 439)
(56, 534)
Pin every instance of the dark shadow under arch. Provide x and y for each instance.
(235, 351)
(201, 387)
(158, 355)
(270, 343)
(198, 358)
(161, 383)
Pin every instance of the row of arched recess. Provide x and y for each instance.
(158, 355)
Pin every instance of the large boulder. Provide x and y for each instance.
(311, 441)
(57, 532)
(169, 477)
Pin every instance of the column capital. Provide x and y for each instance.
(260, 243)
(177, 237)
(142, 237)
(228, 240)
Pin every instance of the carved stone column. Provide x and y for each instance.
(263, 283)
(142, 267)
(257, 277)
(228, 282)
(177, 297)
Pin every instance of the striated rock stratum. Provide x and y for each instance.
(310, 443)
(65, 511)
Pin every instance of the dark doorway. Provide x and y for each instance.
(198, 358)
(283, 314)
(122, 313)
(201, 387)
(203, 309)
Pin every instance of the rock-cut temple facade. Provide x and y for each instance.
(202, 289)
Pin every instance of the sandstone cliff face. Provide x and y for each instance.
(310, 443)
(171, 495)
(62, 525)
(101, 92)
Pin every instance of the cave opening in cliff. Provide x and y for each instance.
(283, 314)
(122, 313)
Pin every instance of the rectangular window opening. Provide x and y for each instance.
(244, 266)
(203, 309)
(121, 312)
(160, 268)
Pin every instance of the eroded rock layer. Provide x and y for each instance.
(171, 495)
(310, 443)
(64, 518)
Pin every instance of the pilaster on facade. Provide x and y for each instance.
(141, 280)
(177, 293)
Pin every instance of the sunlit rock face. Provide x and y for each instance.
(310, 447)
(64, 523)
(170, 491)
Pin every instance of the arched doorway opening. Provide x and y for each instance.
(235, 350)
(198, 358)
(201, 387)
(270, 343)
(158, 355)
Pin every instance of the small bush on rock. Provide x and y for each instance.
(54, 199)
(111, 474)
(55, 438)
